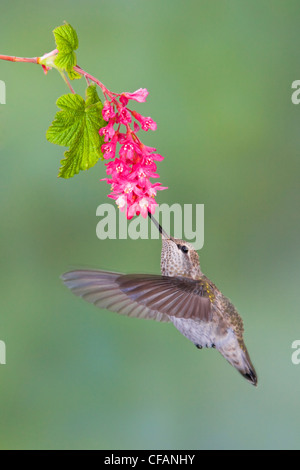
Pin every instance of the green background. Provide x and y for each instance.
(219, 75)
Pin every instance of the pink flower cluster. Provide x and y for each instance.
(131, 171)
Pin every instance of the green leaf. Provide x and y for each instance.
(77, 126)
(66, 37)
(66, 42)
(93, 98)
(72, 74)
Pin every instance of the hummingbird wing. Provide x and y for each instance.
(142, 295)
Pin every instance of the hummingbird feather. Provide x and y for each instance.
(142, 295)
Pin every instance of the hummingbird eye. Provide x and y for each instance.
(183, 248)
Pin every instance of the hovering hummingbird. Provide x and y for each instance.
(182, 295)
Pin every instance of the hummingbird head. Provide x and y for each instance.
(178, 257)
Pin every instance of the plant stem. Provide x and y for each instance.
(95, 80)
(67, 82)
(37, 60)
(33, 60)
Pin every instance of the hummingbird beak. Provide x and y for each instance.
(161, 230)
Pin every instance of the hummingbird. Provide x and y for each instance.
(182, 295)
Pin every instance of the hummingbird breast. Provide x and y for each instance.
(202, 334)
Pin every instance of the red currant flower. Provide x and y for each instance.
(146, 122)
(121, 202)
(128, 150)
(142, 207)
(139, 95)
(117, 168)
(131, 171)
(124, 116)
(108, 131)
(109, 149)
(108, 111)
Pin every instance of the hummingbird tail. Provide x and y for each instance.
(240, 359)
(248, 370)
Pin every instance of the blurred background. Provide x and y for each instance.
(219, 76)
